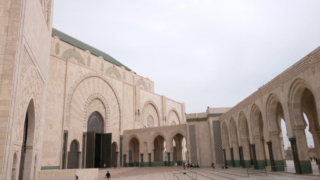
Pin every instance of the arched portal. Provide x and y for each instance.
(95, 123)
(158, 148)
(234, 143)
(178, 149)
(73, 155)
(258, 139)
(26, 158)
(134, 152)
(98, 143)
(114, 153)
(304, 111)
(275, 146)
(244, 137)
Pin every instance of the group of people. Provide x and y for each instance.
(191, 165)
(314, 159)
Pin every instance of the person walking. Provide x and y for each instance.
(108, 175)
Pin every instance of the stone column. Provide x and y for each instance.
(228, 156)
(236, 154)
(141, 160)
(278, 161)
(232, 157)
(316, 140)
(303, 150)
(169, 159)
(149, 157)
(259, 151)
(246, 153)
(124, 160)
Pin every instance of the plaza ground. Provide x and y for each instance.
(168, 173)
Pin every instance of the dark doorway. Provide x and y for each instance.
(98, 146)
(114, 154)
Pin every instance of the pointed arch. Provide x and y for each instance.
(150, 109)
(234, 130)
(243, 122)
(173, 116)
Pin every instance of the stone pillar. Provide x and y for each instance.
(278, 161)
(259, 152)
(254, 156)
(272, 164)
(266, 153)
(316, 140)
(228, 156)
(141, 160)
(303, 151)
(232, 157)
(124, 160)
(169, 161)
(149, 155)
(236, 154)
(241, 156)
(246, 153)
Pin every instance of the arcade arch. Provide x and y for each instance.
(159, 148)
(275, 146)
(303, 111)
(134, 151)
(245, 150)
(178, 148)
(226, 146)
(261, 159)
(235, 153)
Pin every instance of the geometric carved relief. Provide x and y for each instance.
(193, 144)
(30, 87)
(46, 8)
(96, 102)
(217, 142)
(113, 72)
(150, 110)
(83, 91)
(72, 53)
(142, 84)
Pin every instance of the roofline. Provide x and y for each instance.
(81, 45)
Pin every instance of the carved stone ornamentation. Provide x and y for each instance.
(31, 87)
(57, 49)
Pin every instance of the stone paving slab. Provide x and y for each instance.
(167, 173)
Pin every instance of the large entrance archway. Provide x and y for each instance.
(159, 148)
(304, 112)
(98, 144)
(178, 149)
(26, 158)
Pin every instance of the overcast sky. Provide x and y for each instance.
(199, 52)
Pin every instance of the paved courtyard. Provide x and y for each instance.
(170, 173)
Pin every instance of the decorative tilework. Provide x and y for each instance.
(193, 144)
(217, 141)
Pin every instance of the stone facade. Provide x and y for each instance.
(61, 99)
